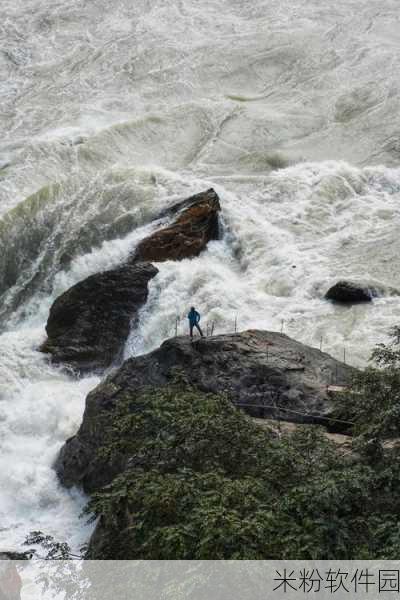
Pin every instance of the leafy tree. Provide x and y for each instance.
(373, 402)
(204, 481)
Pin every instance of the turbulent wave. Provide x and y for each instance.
(288, 236)
(39, 409)
(110, 112)
(42, 235)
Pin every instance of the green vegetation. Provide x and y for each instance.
(373, 403)
(206, 482)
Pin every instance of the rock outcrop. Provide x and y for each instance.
(90, 322)
(195, 225)
(267, 374)
(351, 292)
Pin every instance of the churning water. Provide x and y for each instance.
(112, 109)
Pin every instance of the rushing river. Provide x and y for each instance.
(112, 109)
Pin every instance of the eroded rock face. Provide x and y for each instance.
(267, 374)
(89, 324)
(195, 225)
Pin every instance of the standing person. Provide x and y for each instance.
(194, 318)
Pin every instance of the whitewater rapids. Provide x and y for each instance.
(111, 111)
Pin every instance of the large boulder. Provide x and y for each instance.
(90, 322)
(195, 225)
(267, 374)
(351, 292)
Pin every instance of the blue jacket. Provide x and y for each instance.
(193, 317)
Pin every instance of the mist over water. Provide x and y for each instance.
(111, 111)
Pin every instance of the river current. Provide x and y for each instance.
(112, 110)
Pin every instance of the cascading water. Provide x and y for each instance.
(113, 110)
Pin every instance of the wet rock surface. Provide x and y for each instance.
(351, 292)
(89, 323)
(196, 223)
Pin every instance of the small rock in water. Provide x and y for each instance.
(349, 292)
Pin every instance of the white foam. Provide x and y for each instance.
(287, 237)
(40, 407)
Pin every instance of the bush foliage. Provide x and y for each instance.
(206, 482)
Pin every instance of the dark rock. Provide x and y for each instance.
(267, 374)
(196, 224)
(350, 292)
(89, 323)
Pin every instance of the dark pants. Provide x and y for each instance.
(191, 325)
